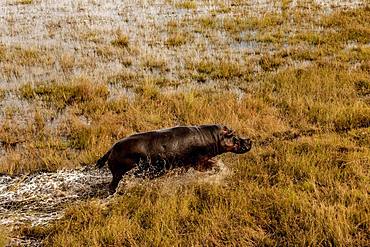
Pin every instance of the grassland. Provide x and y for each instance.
(294, 77)
(3, 237)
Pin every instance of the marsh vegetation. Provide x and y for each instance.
(292, 75)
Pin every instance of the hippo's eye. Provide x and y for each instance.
(234, 139)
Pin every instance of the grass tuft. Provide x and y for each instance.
(154, 62)
(67, 62)
(188, 4)
(23, 2)
(121, 40)
(218, 69)
(271, 62)
(2, 94)
(177, 39)
(2, 52)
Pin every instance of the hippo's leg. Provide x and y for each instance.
(205, 164)
(118, 170)
(151, 168)
(115, 181)
(159, 168)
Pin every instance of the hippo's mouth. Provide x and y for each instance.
(242, 146)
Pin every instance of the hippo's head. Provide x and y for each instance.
(230, 142)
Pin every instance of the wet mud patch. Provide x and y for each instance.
(38, 198)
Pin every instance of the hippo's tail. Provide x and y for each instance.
(101, 162)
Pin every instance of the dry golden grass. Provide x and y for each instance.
(2, 94)
(154, 62)
(3, 237)
(308, 192)
(63, 94)
(298, 83)
(26, 56)
(67, 62)
(22, 2)
(121, 39)
(177, 39)
(188, 4)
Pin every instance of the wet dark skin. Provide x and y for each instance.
(182, 146)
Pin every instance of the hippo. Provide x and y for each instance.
(181, 146)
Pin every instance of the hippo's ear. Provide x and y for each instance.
(231, 133)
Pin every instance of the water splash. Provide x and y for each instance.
(174, 178)
(39, 198)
